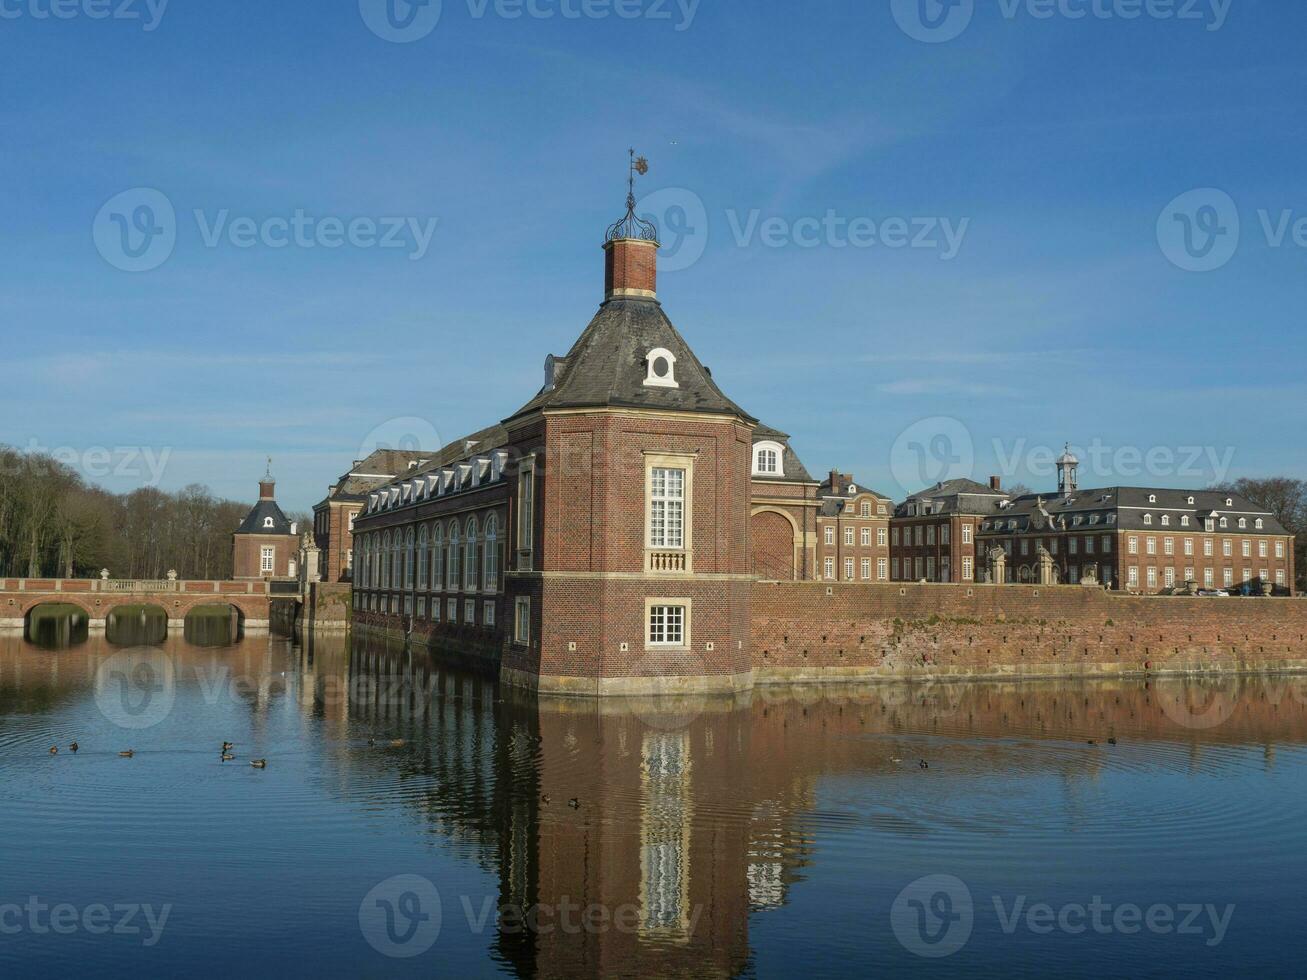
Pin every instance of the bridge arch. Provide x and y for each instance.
(136, 624)
(56, 624)
(213, 624)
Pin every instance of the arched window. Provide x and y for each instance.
(471, 565)
(423, 564)
(396, 560)
(1260, 524)
(267, 522)
(408, 559)
(490, 575)
(453, 566)
(1243, 522)
(1166, 520)
(385, 560)
(1148, 518)
(438, 558)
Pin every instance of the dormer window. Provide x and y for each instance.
(1166, 520)
(767, 458)
(1260, 524)
(1191, 500)
(1152, 498)
(660, 365)
(267, 522)
(1225, 522)
(1184, 521)
(1229, 501)
(1148, 518)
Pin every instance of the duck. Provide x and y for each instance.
(397, 743)
(372, 741)
(1091, 742)
(226, 757)
(545, 799)
(54, 750)
(923, 764)
(259, 763)
(574, 803)
(127, 754)
(1111, 741)
(73, 748)
(227, 746)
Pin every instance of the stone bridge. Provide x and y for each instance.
(99, 597)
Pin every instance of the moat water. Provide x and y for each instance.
(418, 821)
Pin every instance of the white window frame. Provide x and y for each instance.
(267, 559)
(670, 619)
(522, 620)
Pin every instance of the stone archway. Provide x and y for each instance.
(776, 544)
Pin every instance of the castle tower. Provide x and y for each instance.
(1068, 469)
(266, 544)
(628, 567)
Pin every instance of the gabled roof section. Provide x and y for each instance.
(257, 517)
(792, 468)
(606, 366)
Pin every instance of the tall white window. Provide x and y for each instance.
(385, 561)
(848, 569)
(866, 569)
(966, 534)
(408, 559)
(266, 556)
(666, 625)
(453, 565)
(470, 569)
(526, 515)
(968, 569)
(866, 537)
(848, 536)
(828, 568)
(522, 620)
(881, 536)
(491, 563)
(424, 566)
(830, 534)
(667, 508)
(882, 568)
(438, 558)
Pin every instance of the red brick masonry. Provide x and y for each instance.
(819, 631)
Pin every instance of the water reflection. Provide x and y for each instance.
(766, 834)
(55, 626)
(136, 625)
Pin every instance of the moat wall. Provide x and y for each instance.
(814, 631)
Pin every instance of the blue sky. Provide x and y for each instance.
(1051, 146)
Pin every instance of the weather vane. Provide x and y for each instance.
(633, 226)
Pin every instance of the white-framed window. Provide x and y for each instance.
(1168, 577)
(353, 514)
(471, 569)
(666, 507)
(469, 611)
(1227, 547)
(408, 559)
(267, 522)
(1132, 545)
(424, 549)
(1260, 524)
(882, 536)
(894, 536)
(522, 620)
(488, 613)
(1209, 578)
(1168, 546)
(1228, 577)
(1208, 549)
(1279, 576)
(1188, 546)
(1279, 549)
(1247, 548)
(1107, 544)
(1152, 577)
(1025, 545)
(944, 534)
(1148, 518)
(968, 568)
(1053, 546)
(454, 562)
(1243, 523)
(1261, 549)
(882, 569)
(451, 610)
(1132, 576)
(526, 514)
(1184, 521)
(865, 537)
(490, 566)
(1150, 546)
(667, 626)
(918, 534)
(1225, 522)
(1189, 573)
(930, 534)
(848, 569)
(435, 610)
(660, 368)
(865, 509)
(848, 537)
(828, 567)
(267, 557)
(830, 534)
(966, 534)
(767, 458)
(437, 557)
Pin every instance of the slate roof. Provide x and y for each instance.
(792, 468)
(377, 470)
(606, 366)
(1124, 508)
(953, 497)
(253, 523)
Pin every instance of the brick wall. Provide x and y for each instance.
(800, 632)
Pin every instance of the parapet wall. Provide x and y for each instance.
(814, 631)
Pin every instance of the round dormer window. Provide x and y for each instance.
(660, 366)
(267, 522)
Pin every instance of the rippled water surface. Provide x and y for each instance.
(413, 820)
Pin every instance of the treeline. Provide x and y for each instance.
(54, 524)
(1286, 498)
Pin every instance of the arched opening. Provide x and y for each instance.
(56, 625)
(216, 625)
(773, 546)
(136, 626)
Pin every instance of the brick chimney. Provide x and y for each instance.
(267, 489)
(995, 483)
(630, 268)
